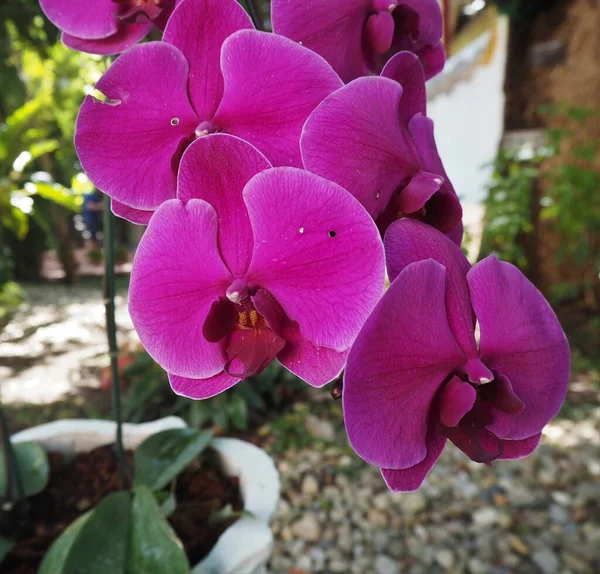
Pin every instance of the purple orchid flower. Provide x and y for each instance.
(357, 37)
(106, 26)
(211, 73)
(250, 263)
(372, 137)
(416, 375)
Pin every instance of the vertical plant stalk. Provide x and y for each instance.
(447, 25)
(111, 331)
(255, 14)
(14, 483)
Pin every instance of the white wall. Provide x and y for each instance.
(467, 106)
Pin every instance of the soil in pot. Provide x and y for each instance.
(78, 483)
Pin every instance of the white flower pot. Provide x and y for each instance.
(245, 546)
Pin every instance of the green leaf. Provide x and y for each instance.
(238, 411)
(33, 469)
(162, 456)
(155, 549)
(55, 558)
(101, 546)
(6, 545)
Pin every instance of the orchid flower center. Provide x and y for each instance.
(248, 326)
(204, 128)
(466, 408)
(391, 25)
(399, 208)
(136, 11)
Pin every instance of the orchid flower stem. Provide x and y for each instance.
(14, 483)
(255, 15)
(111, 331)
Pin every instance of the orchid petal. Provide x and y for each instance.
(82, 18)
(418, 192)
(127, 143)
(456, 400)
(399, 361)
(316, 251)
(315, 365)
(407, 241)
(177, 274)
(271, 86)
(137, 216)
(444, 210)
(514, 449)
(433, 59)
(430, 20)
(354, 138)
(478, 443)
(126, 35)
(198, 29)
(380, 31)
(250, 351)
(521, 339)
(409, 479)
(216, 168)
(406, 69)
(202, 388)
(332, 29)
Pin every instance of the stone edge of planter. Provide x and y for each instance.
(243, 548)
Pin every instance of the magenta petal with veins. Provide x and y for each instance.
(372, 138)
(106, 26)
(357, 37)
(211, 73)
(281, 264)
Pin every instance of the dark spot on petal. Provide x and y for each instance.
(332, 233)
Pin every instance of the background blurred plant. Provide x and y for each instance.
(569, 202)
(148, 395)
(41, 183)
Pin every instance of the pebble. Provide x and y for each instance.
(307, 528)
(486, 517)
(385, 565)
(310, 485)
(546, 560)
(445, 558)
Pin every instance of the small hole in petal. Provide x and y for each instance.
(332, 233)
(174, 121)
(301, 230)
(377, 195)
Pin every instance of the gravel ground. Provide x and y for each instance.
(538, 515)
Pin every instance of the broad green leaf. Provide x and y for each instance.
(6, 545)
(162, 456)
(32, 467)
(101, 546)
(166, 500)
(154, 549)
(55, 558)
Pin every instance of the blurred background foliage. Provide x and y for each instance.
(41, 183)
(147, 396)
